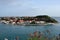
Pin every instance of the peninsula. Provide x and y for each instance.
(27, 20)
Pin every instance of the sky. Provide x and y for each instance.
(29, 7)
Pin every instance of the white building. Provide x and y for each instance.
(38, 22)
(42, 22)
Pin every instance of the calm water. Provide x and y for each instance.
(11, 31)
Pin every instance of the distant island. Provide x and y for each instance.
(27, 20)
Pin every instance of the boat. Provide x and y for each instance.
(5, 39)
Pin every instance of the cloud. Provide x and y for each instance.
(28, 7)
(5, 2)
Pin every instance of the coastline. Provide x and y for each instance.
(29, 21)
(45, 24)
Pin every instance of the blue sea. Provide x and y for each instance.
(11, 31)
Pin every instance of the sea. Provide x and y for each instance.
(12, 31)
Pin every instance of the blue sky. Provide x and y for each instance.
(29, 7)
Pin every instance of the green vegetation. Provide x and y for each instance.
(46, 18)
(32, 20)
(36, 38)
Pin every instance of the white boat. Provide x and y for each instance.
(5, 39)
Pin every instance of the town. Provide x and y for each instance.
(27, 20)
